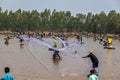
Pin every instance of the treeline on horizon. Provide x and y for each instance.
(60, 21)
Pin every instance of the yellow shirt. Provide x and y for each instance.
(55, 43)
(110, 40)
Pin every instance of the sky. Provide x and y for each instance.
(74, 6)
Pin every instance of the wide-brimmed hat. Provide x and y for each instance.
(91, 51)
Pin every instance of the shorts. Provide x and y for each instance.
(55, 46)
(95, 64)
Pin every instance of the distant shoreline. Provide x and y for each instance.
(115, 36)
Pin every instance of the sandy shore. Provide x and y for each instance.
(34, 61)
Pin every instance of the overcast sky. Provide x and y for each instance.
(75, 6)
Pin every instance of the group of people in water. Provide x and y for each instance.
(95, 62)
(106, 42)
(7, 41)
(93, 72)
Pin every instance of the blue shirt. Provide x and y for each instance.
(7, 76)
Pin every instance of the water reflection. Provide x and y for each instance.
(21, 46)
(109, 51)
(109, 57)
(56, 61)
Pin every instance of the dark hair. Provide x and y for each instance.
(7, 69)
(91, 71)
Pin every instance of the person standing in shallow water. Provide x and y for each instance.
(7, 40)
(94, 60)
(78, 38)
(56, 55)
(21, 41)
(7, 75)
(54, 42)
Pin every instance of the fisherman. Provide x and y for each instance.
(94, 38)
(109, 41)
(81, 39)
(7, 40)
(54, 42)
(21, 41)
(56, 55)
(105, 43)
(94, 60)
(78, 38)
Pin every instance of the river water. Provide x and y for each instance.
(33, 61)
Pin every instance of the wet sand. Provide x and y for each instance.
(34, 61)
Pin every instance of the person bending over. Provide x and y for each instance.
(56, 55)
(94, 60)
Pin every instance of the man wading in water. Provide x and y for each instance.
(94, 60)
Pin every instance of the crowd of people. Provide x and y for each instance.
(106, 42)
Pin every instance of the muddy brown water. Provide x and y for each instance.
(33, 61)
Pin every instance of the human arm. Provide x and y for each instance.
(84, 56)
